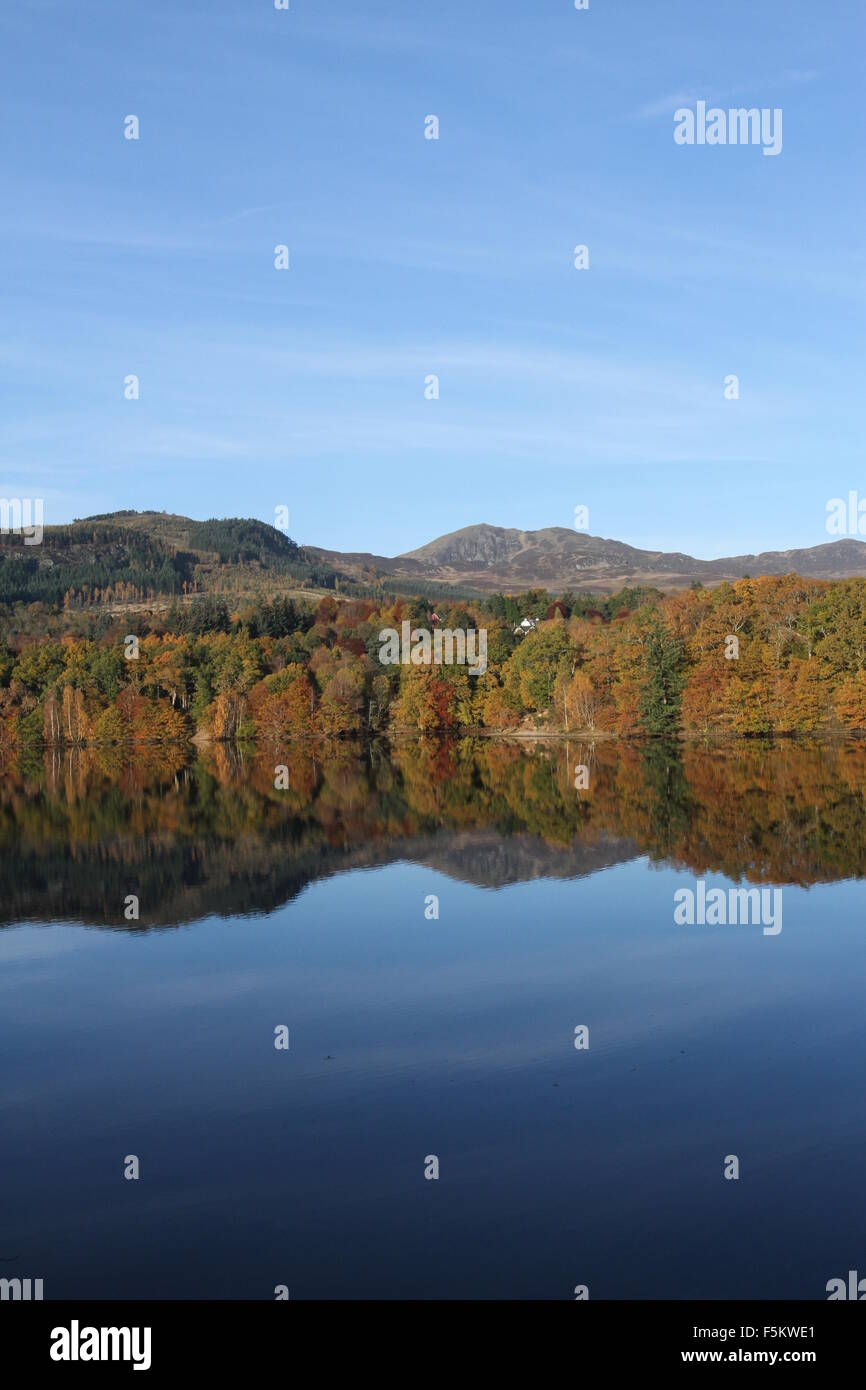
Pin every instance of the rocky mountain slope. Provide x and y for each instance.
(155, 553)
(496, 557)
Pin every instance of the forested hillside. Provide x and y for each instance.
(102, 564)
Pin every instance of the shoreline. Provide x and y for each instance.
(201, 741)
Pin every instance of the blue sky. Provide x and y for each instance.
(558, 387)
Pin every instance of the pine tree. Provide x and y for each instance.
(661, 697)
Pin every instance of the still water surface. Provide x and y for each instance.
(412, 1037)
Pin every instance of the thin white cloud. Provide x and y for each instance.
(688, 96)
(799, 75)
(667, 105)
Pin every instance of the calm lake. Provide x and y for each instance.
(553, 871)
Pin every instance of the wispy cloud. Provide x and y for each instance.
(798, 75)
(687, 96)
(667, 105)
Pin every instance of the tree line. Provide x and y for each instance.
(774, 655)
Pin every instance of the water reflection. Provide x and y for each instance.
(198, 832)
(452, 1036)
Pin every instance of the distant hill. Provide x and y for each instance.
(122, 556)
(499, 558)
(131, 556)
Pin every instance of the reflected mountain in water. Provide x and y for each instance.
(200, 833)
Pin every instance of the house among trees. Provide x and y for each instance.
(527, 625)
